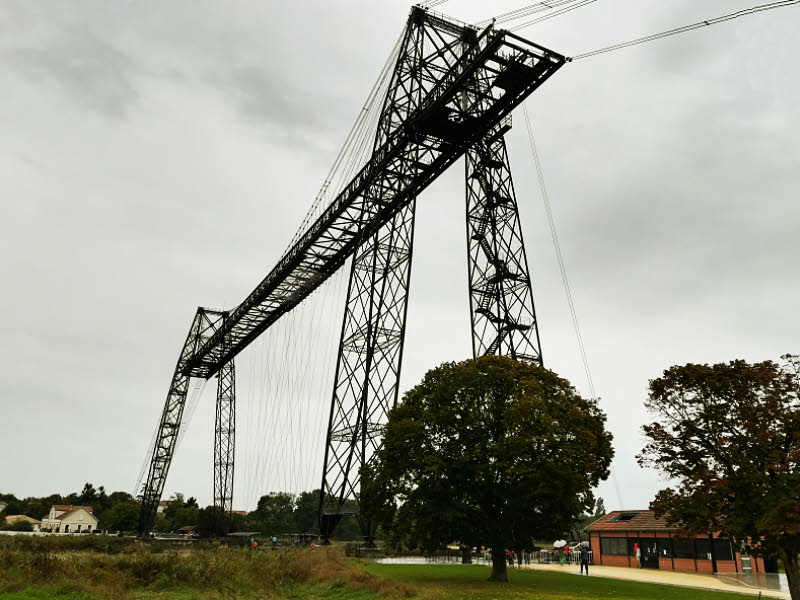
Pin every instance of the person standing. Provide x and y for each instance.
(637, 551)
(584, 559)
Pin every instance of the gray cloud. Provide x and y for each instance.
(89, 70)
(672, 171)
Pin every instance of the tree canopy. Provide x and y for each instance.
(729, 436)
(487, 452)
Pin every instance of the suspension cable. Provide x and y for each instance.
(345, 155)
(559, 256)
(685, 28)
(564, 279)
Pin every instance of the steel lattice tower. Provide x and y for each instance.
(373, 332)
(205, 323)
(451, 93)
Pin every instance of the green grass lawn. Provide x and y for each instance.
(454, 582)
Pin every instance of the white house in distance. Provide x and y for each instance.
(69, 519)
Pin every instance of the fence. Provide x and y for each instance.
(358, 551)
(545, 557)
(476, 557)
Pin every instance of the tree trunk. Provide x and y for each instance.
(499, 572)
(791, 563)
(466, 555)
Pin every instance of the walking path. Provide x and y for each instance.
(692, 580)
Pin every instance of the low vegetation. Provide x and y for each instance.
(123, 568)
(78, 568)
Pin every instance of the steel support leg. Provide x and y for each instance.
(224, 448)
(368, 369)
(501, 298)
(204, 325)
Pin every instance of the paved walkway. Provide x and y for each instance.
(692, 580)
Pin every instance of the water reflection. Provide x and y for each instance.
(769, 581)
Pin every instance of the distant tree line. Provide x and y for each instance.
(276, 513)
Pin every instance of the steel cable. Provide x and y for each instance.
(525, 11)
(699, 25)
(554, 14)
(562, 268)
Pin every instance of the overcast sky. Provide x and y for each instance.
(159, 156)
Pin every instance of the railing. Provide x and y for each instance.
(359, 551)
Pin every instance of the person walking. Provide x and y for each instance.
(637, 551)
(584, 559)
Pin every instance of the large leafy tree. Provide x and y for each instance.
(729, 437)
(276, 510)
(123, 516)
(487, 452)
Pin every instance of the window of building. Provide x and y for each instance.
(613, 546)
(723, 550)
(626, 516)
(683, 548)
(664, 547)
(703, 548)
(66, 528)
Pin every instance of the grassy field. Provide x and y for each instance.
(55, 570)
(454, 582)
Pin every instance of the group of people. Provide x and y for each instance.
(583, 556)
(521, 558)
(564, 554)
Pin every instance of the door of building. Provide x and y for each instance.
(649, 549)
(649, 553)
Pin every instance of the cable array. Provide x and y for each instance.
(286, 401)
(357, 146)
(565, 10)
(283, 412)
(531, 9)
(426, 4)
(707, 23)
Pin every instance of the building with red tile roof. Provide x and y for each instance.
(64, 518)
(616, 537)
